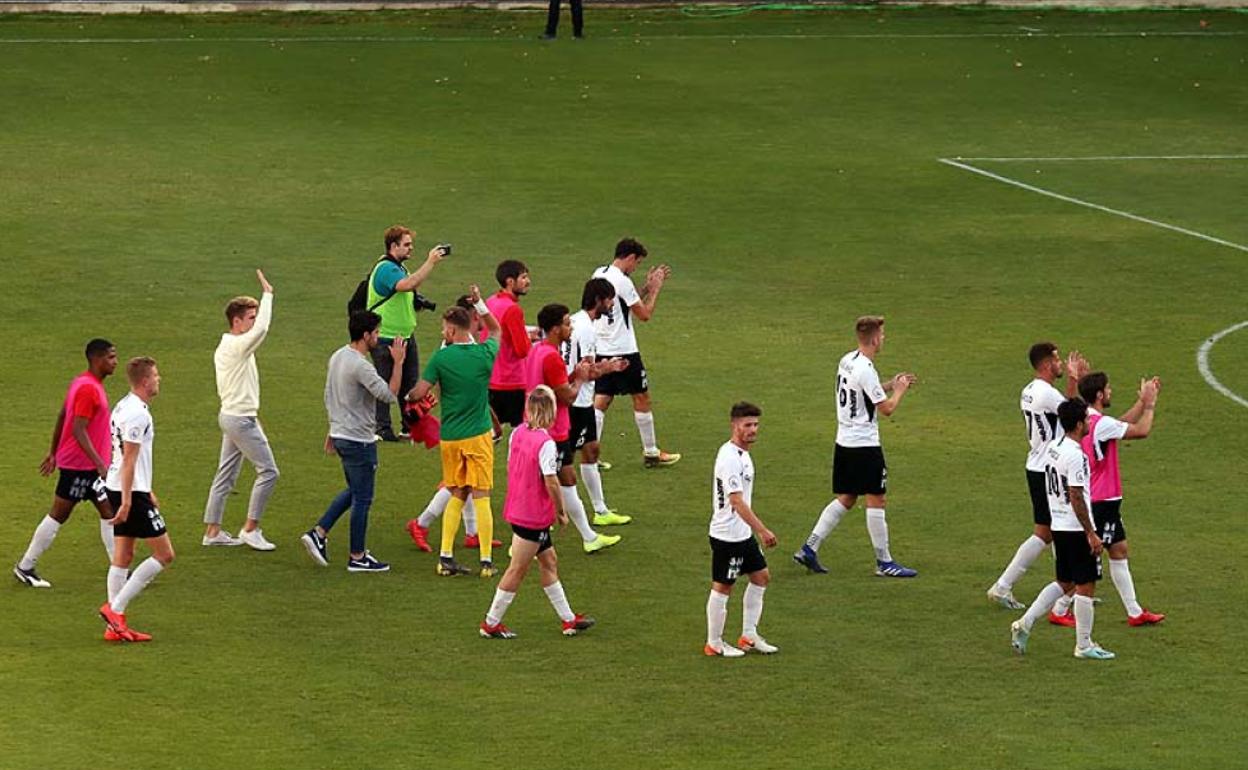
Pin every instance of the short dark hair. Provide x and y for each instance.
(362, 322)
(465, 301)
(745, 409)
(509, 268)
(1071, 413)
(866, 326)
(551, 316)
(458, 316)
(628, 246)
(98, 348)
(596, 290)
(1091, 384)
(1041, 352)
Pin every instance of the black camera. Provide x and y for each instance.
(421, 302)
(445, 248)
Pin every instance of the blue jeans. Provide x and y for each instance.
(359, 465)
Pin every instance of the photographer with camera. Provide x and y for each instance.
(391, 293)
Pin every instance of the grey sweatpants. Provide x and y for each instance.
(241, 437)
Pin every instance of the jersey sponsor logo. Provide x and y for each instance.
(719, 493)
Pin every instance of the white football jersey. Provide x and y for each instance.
(734, 472)
(615, 329)
(1066, 466)
(1039, 403)
(132, 424)
(582, 343)
(858, 391)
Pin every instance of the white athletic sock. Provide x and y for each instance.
(1062, 606)
(498, 607)
(144, 574)
(827, 522)
(599, 418)
(45, 533)
(593, 484)
(116, 580)
(437, 504)
(716, 616)
(753, 610)
(1121, 575)
(878, 529)
(1085, 611)
(106, 535)
(470, 517)
(1027, 553)
(645, 426)
(576, 511)
(559, 601)
(1043, 603)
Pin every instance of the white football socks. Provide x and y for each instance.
(1062, 606)
(106, 535)
(716, 617)
(599, 418)
(1121, 575)
(1085, 611)
(144, 574)
(469, 514)
(593, 484)
(437, 504)
(576, 511)
(645, 426)
(1043, 603)
(45, 533)
(116, 580)
(1027, 553)
(877, 527)
(498, 607)
(559, 601)
(753, 610)
(827, 522)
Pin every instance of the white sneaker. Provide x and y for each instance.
(222, 538)
(757, 644)
(1004, 598)
(723, 649)
(255, 539)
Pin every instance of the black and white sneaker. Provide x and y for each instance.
(366, 563)
(29, 577)
(315, 543)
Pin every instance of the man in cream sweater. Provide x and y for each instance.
(238, 385)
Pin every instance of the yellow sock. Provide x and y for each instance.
(485, 526)
(450, 525)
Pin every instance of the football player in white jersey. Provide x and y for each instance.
(734, 549)
(129, 489)
(1039, 402)
(597, 299)
(1076, 545)
(617, 337)
(858, 466)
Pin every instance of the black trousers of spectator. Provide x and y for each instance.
(578, 17)
(385, 367)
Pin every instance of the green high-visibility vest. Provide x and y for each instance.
(398, 315)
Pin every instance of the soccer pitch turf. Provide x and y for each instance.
(788, 167)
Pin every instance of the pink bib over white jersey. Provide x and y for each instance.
(528, 503)
(1103, 460)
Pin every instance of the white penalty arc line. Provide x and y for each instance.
(1091, 205)
(1202, 363)
(630, 38)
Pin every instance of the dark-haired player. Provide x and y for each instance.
(80, 451)
(1038, 401)
(734, 549)
(617, 337)
(514, 343)
(1076, 545)
(858, 466)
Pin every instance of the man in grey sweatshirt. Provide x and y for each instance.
(352, 390)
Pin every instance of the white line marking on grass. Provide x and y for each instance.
(1069, 158)
(1202, 363)
(1091, 205)
(531, 39)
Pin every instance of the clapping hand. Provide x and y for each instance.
(265, 286)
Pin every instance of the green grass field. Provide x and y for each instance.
(786, 166)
